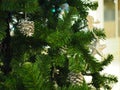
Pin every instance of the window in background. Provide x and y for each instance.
(109, 18)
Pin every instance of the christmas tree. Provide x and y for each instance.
(51, 45)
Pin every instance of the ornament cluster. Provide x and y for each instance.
(75, 78)
(26, 27)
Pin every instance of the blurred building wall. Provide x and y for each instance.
(119, 18)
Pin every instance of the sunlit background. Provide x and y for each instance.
(108, 13)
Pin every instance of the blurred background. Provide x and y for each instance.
(108, 13)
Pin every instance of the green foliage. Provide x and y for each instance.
(72, 87)
(100, 33)
(26, 77)
(22, 5)
(83, 6)
(68, 38)
(103, 80)
(77, 63)
(3, 26)
(107, 60)
(82, 38)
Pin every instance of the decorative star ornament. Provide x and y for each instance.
(97, 48)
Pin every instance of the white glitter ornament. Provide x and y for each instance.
(26, 27)
(75, 78)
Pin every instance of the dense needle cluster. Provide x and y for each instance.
(54, 49)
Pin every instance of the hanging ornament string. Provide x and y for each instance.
(25, 16)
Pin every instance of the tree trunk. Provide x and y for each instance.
(6, 49)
